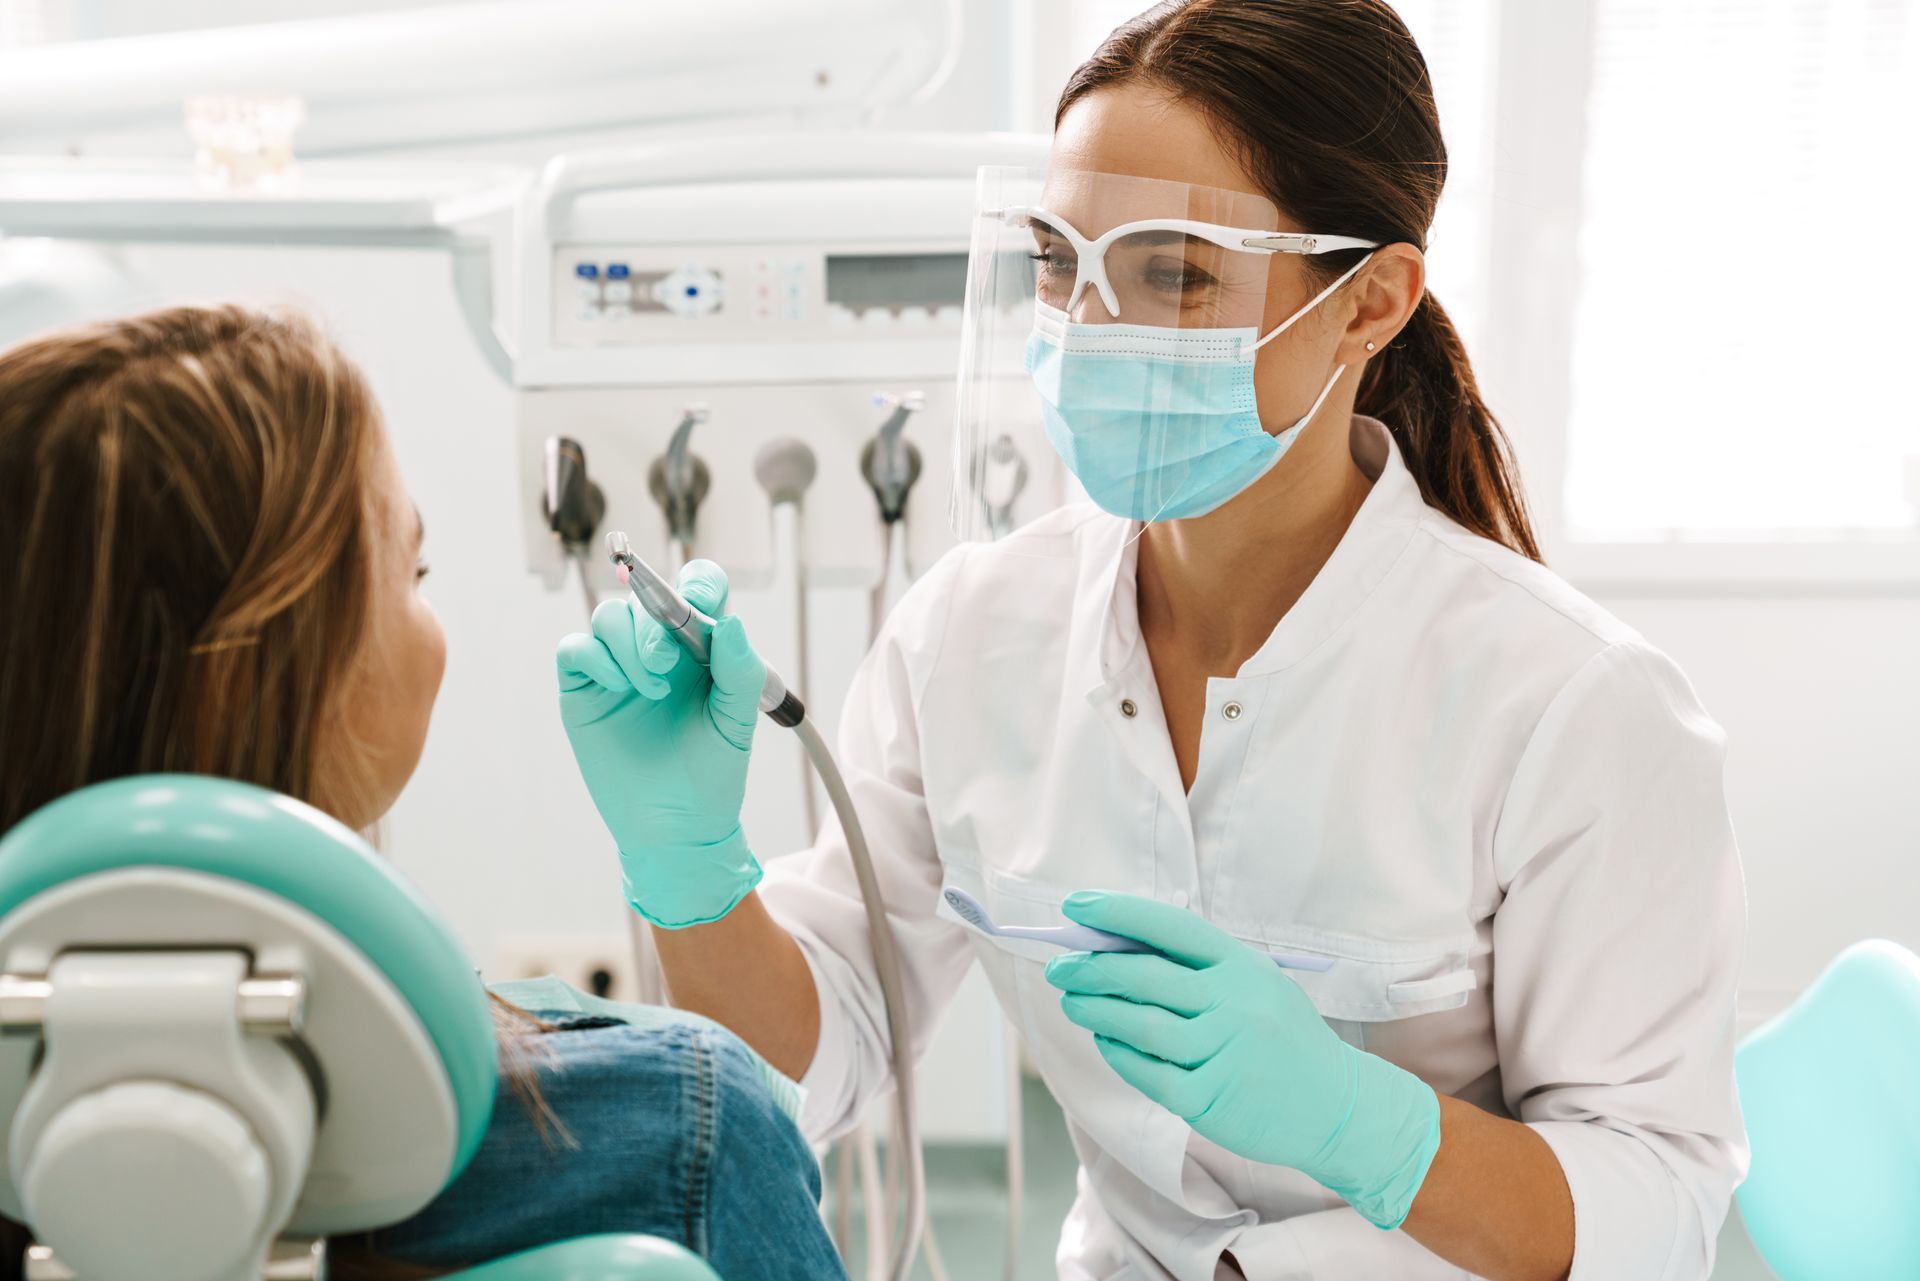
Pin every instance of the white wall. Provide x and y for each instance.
(1820, 698)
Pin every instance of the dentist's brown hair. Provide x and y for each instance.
(1329, 105)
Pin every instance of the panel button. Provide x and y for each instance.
(691, 290)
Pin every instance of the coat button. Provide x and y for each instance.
(1231, 711)
(1128, 708)
(1180, 898)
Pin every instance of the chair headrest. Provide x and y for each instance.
(276, 844)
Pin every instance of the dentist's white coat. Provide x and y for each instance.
(1497, 806)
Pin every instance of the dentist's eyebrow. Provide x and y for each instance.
(1157, 238)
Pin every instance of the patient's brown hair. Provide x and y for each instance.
(186, 532)
(184, 550)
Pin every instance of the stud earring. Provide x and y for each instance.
(1369, 346)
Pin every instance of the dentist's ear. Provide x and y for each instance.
(1383, 297)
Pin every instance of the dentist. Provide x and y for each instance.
(1294, 681)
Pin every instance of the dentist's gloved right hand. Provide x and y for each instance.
(662, 743)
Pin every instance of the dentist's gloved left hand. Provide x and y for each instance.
(1218, 1035)
(663, 744)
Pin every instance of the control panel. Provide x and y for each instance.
(610, 295)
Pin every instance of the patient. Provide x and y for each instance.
(209, 563)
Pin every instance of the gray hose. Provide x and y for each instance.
(578, 555)
(886, 963)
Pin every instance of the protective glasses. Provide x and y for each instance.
(1149, 269)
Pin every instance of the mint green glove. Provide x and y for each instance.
(1218, 1035)
(662, 743)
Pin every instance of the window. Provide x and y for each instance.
(1457, 39)
(1744, 324)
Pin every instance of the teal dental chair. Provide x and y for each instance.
(228, 1031)
(1831, 1093)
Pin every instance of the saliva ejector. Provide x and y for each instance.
(693, 630)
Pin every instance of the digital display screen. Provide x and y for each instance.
(862, 281)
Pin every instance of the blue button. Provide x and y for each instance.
(586, 271)
(616, 271)
(693, 291)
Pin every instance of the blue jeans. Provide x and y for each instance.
(675, 1132)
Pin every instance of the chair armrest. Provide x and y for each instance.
(596, 1258)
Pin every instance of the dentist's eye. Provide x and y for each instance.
(1178, 279)
(421, 569)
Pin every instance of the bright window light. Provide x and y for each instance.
(1745, 324)
(1457, 39)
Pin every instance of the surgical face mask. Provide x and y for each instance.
(1160, 423)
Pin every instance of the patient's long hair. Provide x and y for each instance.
(186, 527)
(185, 561)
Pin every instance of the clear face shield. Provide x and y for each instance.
(1118, 318)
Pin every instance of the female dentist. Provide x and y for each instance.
(1302, 685)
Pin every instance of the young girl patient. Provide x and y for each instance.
(209, 563)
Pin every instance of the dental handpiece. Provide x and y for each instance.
(691, 628)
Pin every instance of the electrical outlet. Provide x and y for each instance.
(597, 964)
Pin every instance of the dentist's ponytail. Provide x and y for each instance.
(1329, 105)
(1422, 386)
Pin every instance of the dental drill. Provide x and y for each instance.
(679, 480)
(572, 505)
(891, 467)
(693, 630)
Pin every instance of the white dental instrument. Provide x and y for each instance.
(692, 629)
(1084, 938)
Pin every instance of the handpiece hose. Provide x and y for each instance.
(693, 630)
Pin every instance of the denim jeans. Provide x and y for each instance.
(676, 1131)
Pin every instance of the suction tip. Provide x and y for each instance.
(785, 468)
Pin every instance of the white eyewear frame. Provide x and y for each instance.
(1093, 253)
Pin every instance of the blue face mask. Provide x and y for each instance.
(1159, 423)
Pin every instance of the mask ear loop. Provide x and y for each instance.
(1317, 300)
(1307, 417)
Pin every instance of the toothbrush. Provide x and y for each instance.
(1084, 938)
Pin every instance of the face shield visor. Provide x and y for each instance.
(1117, 318)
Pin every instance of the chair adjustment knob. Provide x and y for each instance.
(148, 1181)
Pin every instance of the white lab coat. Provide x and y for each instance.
(1496, 805)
